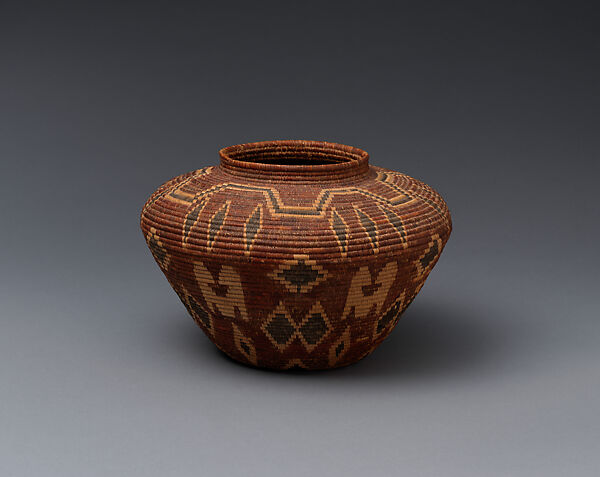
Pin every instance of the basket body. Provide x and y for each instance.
(295, 254)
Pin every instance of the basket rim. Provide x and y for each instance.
(331, 160)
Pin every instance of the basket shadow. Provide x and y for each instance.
(431, 339)
(441, 340)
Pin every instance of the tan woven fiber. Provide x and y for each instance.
(296, 254)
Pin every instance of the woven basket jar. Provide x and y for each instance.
(295, 254)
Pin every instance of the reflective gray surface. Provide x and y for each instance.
(493, 370)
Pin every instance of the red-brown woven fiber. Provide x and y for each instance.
(296, 253)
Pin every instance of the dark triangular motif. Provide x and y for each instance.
(159, 253)
(199, 313)
(430, 255)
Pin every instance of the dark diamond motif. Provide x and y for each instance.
(339, 227)
(369, 226)
(280, 329)
(430, 256)
(396, 222)
(314, 328)
(252, 227)
(191, 219)
(300, 274)
(216, 224)
(339, 348)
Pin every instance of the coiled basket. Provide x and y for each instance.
(295, 254)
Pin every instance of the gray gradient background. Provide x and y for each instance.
(494, 369)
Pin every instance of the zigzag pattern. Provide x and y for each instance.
(318, 209)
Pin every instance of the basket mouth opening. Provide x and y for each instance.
(293, 159)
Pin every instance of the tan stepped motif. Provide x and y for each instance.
(224, 295)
